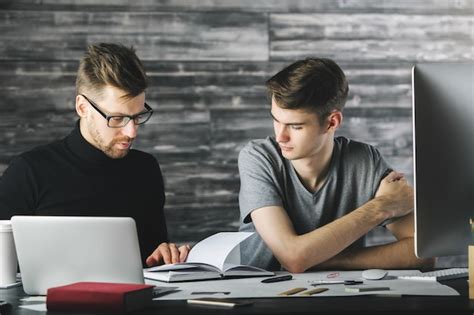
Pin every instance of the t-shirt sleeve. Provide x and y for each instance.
(258, 182)
(17, 190)
(381, 170)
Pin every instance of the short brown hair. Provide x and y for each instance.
(314, 84)
(111, 64)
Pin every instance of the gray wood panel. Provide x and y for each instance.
(305, 6)
(62, 35)
(371, 37)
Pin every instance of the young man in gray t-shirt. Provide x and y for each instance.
(312, 197)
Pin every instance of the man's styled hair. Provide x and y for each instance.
(110, 64)
(314, 84)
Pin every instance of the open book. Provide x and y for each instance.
(215, 257)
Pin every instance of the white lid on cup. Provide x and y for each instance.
(5, 226)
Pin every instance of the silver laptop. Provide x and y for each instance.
(54, 251)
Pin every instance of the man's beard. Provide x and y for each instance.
(114, 153)
(109, 149)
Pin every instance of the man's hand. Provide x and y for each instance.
(168, 254)
(396, 195)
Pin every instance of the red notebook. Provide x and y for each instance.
(99, 297)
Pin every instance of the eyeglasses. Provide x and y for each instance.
(119, 121)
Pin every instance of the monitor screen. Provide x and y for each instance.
(443, 147)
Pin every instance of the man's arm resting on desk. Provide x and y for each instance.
(399, 254)
(298, 253)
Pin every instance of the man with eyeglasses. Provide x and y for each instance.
(93, 171)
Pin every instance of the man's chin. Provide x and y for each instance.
(117, 154)
(287, 155)
(291, 156)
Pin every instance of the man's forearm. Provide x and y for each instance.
(396, 255)
(328, 241)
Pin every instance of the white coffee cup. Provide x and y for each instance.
(8, 259)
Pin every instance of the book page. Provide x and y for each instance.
(215, 249)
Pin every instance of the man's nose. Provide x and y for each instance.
(130, 130)
(281, 133)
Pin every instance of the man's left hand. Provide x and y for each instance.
(168, 253)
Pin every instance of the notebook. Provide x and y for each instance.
(54, 251)
(99, 297)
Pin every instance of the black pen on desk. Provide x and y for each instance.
(277, 279)
(210, 292)
(325, 282)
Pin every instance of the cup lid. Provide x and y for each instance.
(5, 226)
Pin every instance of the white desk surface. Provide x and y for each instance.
(253, 288)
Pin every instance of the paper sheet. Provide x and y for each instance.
(253, 288)
(34, 298)
(34, 307)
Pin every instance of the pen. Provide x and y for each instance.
(210, 292)
(219, 302)
(277, 279)
(345, 282)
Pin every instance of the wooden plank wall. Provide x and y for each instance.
(207, 62)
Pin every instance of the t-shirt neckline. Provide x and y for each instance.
(328, 178)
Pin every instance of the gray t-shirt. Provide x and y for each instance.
(268, 179)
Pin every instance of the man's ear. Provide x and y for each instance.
(334, 120)
(81, 106)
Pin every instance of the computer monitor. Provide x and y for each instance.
(443, 147)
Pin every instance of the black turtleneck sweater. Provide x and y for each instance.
(71, 177)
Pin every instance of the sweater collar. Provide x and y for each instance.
(84, 150)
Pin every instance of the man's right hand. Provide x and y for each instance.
(396, 195)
